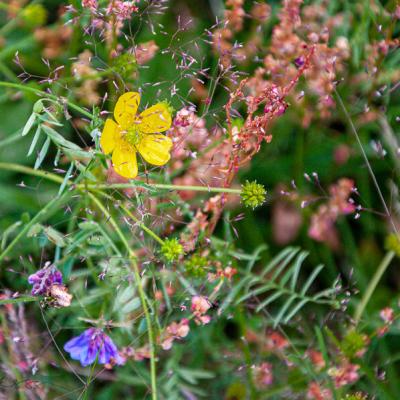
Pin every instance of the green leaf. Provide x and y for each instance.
(132, 305)
(29, 124)
(35, 140)
(42, 153)
(35, 230)
(54, 236)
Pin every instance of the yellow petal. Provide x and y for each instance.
(124, 160)
(109, 136)
(155, 119)
(155, 149)
(126, 108)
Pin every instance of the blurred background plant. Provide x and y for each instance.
(260, 261)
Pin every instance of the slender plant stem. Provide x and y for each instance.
(12, 364)
(142, 294)
(371, 172)
(33, 221)
(41, 93)
(143, 226)
(15, 137)
(30, 171)
(136, 184)
(137, 221)
(24, 299)
(82, 187)
(372, 285)
(55, 178)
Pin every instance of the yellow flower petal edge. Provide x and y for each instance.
(126, 108)
(155, 149)
(124, 160)
(109, 137)
(155, 119)
(132, 133)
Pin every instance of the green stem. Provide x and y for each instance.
(12, 363)
(372, 285)
(142, 294)
(48, 95)
(55, 178)
(30, 171)
(367, 163)
(137, 221)
(165, 186)
(25, 299)
(28, 226)
(7, 72)
(58, 179)
(143, 226)
(15, 137)
(95, 187)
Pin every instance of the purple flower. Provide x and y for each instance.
(92, 344)
(43, 279)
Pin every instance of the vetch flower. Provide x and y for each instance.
(132, 133)
(92, 344)
(43, 279)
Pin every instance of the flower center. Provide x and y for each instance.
(133, 136)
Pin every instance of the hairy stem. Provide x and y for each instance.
(139, 285)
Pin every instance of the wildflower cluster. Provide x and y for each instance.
(139, 134)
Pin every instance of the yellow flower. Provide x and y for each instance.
(136, 133)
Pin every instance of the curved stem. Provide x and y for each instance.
(58, 179)
(143, 226)
(372, 285)
(26, 228)
(30, 171)
(41, 93)
(137, 221)
(142, 294)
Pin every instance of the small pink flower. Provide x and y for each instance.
(176, 330)
(345, 374)
(123, 10)
(387, 315)
(91, 4)
(316, 392)
(275, 341)
(263, 374)
(200, 305)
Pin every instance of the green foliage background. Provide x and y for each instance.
(207, 363)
